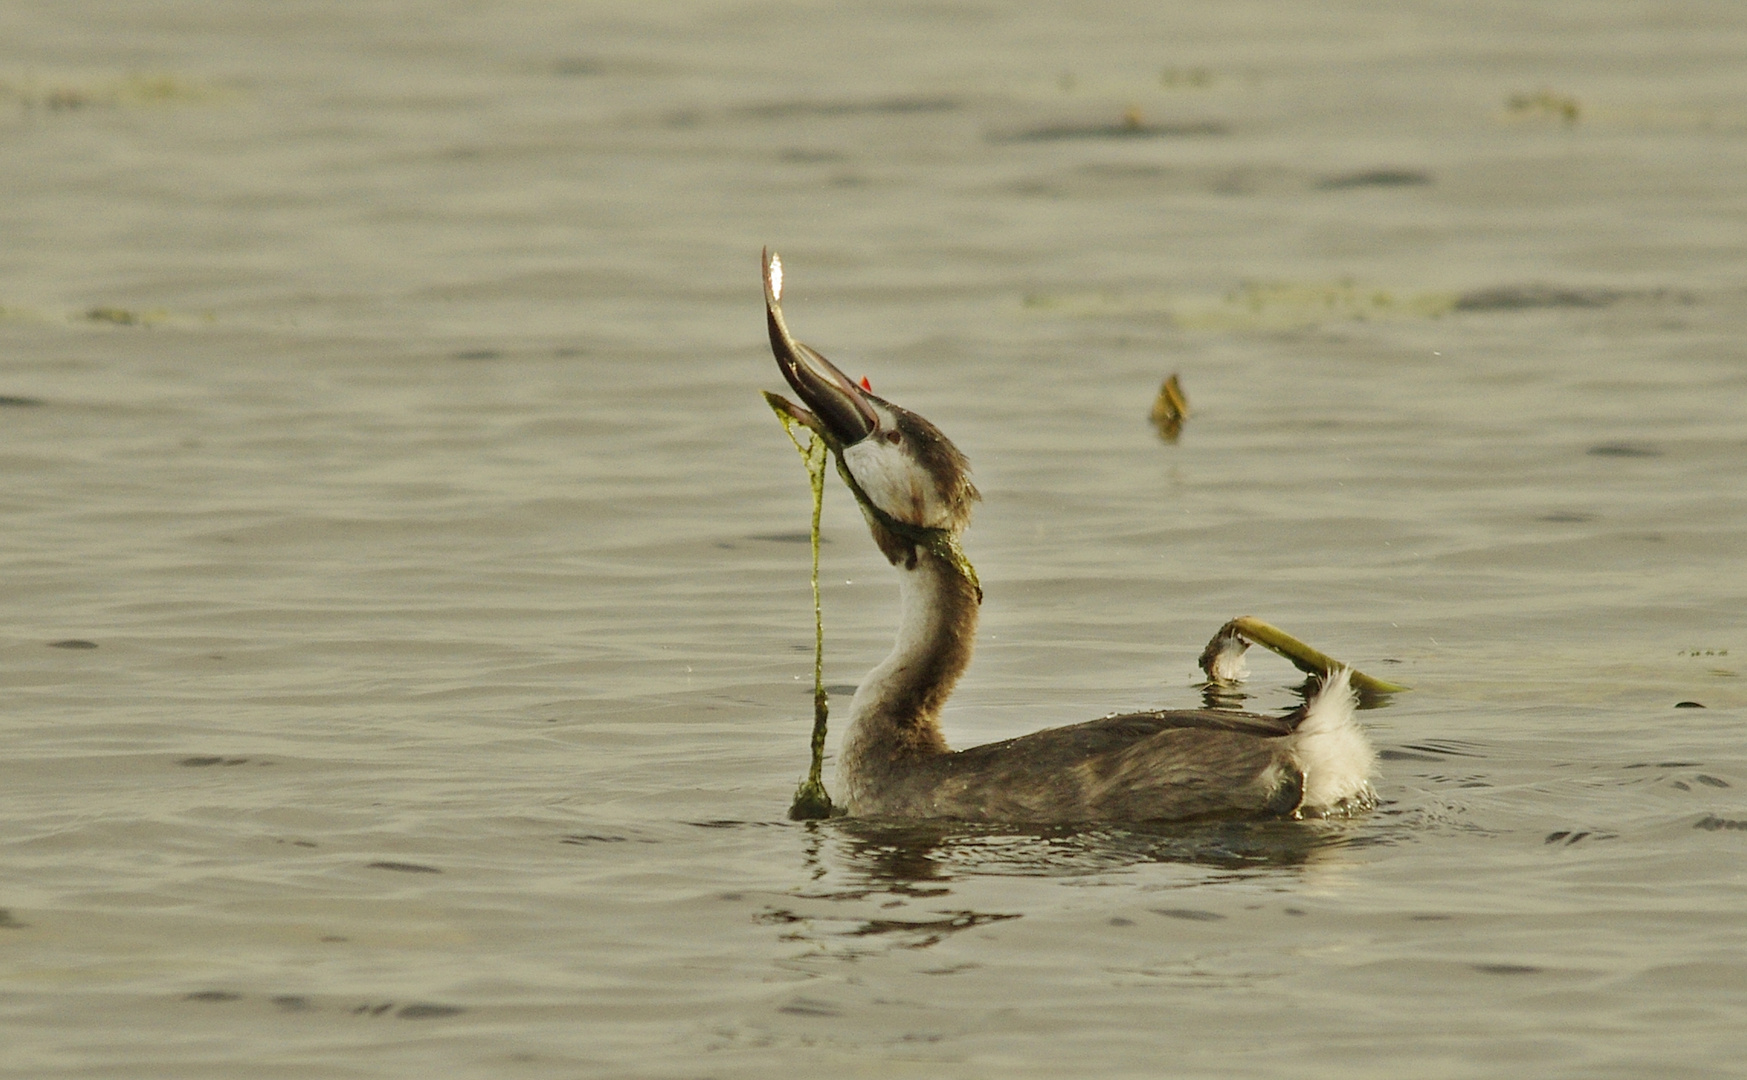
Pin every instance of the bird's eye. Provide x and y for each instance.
(894, 437)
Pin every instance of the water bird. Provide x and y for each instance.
(915, 490)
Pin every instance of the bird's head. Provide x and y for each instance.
(902, 463)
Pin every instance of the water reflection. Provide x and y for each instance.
(891, 931)
(866, 875)
(1230, 697)
(904, 858)
(1223, 695)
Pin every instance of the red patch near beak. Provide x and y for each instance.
(865, 385)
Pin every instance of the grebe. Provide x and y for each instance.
(915, 490)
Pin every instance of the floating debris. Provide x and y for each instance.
(894, 106)
(1197, 77)
(1290, 305)
(1254, 305)
(139, 90)
(420, 1010)
(1523, 297)
(109, 315)
(1375, 178)
(1131, 125)
(125, 316)
(1545, 105)
(1622, 450)
(1170, 409)
(73, 643)
(1286, 304)
(119, 316)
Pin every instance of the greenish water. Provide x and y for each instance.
(380, 400)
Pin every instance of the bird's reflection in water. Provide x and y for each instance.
(867, 875)
(900, 857)
(1223, 695)
(1231, 696)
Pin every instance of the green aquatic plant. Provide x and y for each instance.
(123, 316)
(812, 801)
(1547, 105)
(1285, 303)
(1256, 305)
(114, 316)
(136, 90)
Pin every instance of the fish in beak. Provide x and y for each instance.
(839, 408)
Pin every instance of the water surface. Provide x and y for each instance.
(407, 644)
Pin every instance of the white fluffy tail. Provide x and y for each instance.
(1333, 752)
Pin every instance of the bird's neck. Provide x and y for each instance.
(896, 711)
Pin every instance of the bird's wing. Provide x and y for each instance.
(1114, 734)
(1174, 764)
(1132, 726)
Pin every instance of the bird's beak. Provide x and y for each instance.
(836, 402)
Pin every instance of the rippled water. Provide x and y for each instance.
(407, 637)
